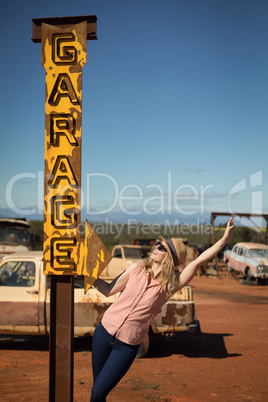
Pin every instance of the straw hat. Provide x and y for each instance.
(176, 249)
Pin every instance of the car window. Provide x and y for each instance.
(257, 253)
(117, 253)
(18, 274)
(13, 236)
(241, 251)
(79, 282)
(132, 252)
(235, 249)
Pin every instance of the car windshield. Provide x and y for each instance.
(18, 273)
(258, 253)
(132, 252)
(12, 236)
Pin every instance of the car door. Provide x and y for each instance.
(233, 256)
(239, 263)
(19, 295)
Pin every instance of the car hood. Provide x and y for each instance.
(260, 260)
(6, 249)
(131, 260)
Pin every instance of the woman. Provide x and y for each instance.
(147, 286)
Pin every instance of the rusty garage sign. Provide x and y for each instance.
(64, 53)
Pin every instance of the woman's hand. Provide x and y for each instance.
(228, 234)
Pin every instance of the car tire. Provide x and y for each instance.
(195, 329)
(249, 275)
(229, 268)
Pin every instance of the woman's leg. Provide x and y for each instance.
(101, 348)
(115, 367)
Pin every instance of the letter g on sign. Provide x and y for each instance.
(63, 53)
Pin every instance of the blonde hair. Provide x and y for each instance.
(167, 276)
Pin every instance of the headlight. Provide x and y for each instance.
(259, 268)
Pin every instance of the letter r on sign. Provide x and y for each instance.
(62, 125)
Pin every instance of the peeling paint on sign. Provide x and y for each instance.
(64, 53)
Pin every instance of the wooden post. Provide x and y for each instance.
(61, 338)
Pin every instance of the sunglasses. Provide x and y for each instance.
(160, 246)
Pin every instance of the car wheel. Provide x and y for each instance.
(249, 275)
(195, 328)
(143, 349)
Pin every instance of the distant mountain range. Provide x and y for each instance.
(161, 219)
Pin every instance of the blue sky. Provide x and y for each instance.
(174, 109)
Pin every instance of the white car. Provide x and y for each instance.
(250, 259)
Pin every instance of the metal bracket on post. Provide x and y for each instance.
(64, 22)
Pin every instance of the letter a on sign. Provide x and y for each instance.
(63, 87)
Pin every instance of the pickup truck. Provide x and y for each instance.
(25, 302)
(123, 256)
(250, 259)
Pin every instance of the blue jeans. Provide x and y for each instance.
(111, 359)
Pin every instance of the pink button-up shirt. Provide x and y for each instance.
(129, 317)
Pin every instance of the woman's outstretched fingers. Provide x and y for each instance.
(229, 230)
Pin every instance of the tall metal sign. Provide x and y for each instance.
(64, 53)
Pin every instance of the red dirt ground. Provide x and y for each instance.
(227, 362)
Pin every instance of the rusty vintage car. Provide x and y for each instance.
(15, 236)
(25, 301)
(250, 259)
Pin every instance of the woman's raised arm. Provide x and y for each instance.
(189, 272)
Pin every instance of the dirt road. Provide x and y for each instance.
(227, 362)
